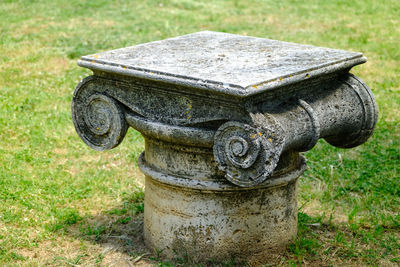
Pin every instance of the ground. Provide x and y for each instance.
(63, 204)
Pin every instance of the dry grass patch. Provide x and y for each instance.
(68, 251)
(56, 65)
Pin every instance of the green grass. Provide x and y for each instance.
(63, 204)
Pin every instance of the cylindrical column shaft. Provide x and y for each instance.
(208, 225)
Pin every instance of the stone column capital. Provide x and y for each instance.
(247, 142)
(224, 118)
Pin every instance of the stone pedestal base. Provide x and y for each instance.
(218, 225)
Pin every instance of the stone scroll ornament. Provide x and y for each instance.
(99, 119)
(249, 154)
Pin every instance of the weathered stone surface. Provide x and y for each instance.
(222, 62)
(216, 227)
(224, 118)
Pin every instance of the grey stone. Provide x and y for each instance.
(222, 62)
(224, 118)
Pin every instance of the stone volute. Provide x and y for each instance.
(224, 118)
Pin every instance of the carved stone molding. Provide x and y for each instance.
(364, 101)
(99, 119)
(248, 154)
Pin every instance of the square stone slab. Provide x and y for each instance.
(222, 62)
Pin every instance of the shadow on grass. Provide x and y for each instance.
(119, 234)
(115, 236)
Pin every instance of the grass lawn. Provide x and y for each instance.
(63, 204)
